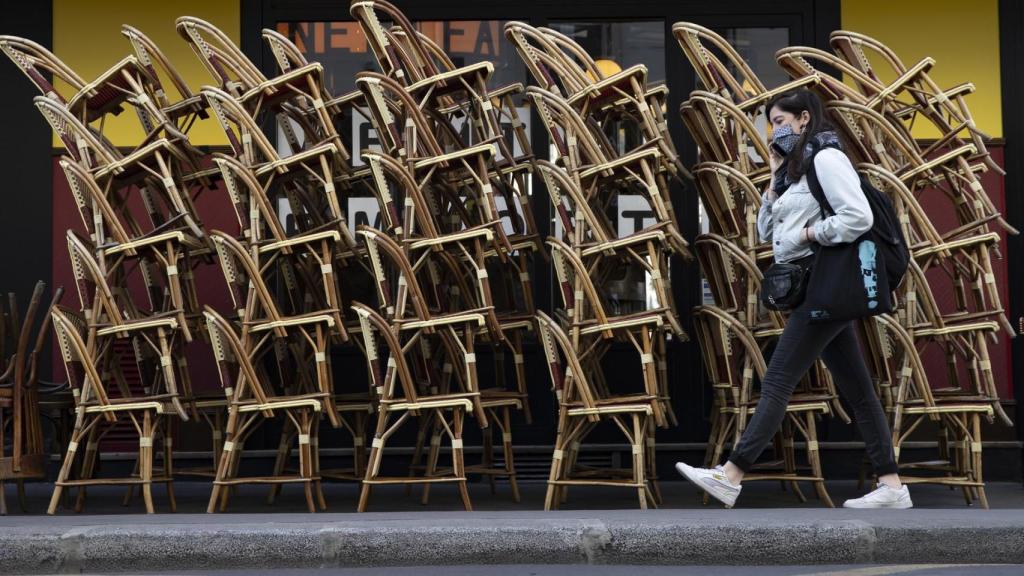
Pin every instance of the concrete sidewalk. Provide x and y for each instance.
(941, 530)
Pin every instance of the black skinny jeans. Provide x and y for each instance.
(799, 346)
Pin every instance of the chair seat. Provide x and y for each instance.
(612, 409)
(609, 88)
(299, 157)
(176, 236)
(445, 79)
(170, 323)
(107, 91)
(324, 316)
(277, 83)
(159, 407)
(429, 402)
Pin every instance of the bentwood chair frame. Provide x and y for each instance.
(590, 326)
(253, 400)
(592, 162)
(299, 89)
(399, 396)
(626, 94)
(120, 240)
(158, 167)
(99, 409)
(914, 403)
(305, 335)
(725, 134)
(466, 170)
(309, 178)
(188, 107)
(875, 140)
(582, 406)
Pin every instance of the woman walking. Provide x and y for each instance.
(791, 219)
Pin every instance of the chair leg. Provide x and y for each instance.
(373, 465)
(65, 470)
(432, 457)
(3, 499)
(224, 465)
(488, 454)
(458, 463)
(550, 501)
(146, 461)
(813, 456)
(976, 453)
(283, 449)
(88, 466)
(639, 437)
(129, 492)
(169, 464)
(506, 444)
(22, 496)
(652, 464)
(421, 439)
(305, 459)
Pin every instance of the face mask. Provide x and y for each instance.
(784, 140)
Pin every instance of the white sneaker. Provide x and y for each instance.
(713, 481)
(883, 497)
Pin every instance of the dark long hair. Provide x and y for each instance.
(796, 102)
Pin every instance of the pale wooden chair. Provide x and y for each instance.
(158, 167)
(914, 403)
(731, 202)
(254, 401)
(589, 323)
(308, 178)
(725, 134)
(99, 409)
(400, 398)
(296, 95)
(164, 253)
(581, 407)
(874, 140)
(187, 107)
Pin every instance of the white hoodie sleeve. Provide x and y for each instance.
(852, 214)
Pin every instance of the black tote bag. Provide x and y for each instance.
(856, 279)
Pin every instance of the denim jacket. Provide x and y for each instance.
(783, 220)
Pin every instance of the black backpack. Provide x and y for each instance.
(856, 280)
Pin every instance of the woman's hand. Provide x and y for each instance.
(774, 160)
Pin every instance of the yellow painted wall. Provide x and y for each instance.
(87, 36)
(962, 37)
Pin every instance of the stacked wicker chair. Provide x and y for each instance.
(876, 112)
(736, 333)
(450, 273)
(125, 246)
(579, 106)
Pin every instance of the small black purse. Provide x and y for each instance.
(785, 284)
